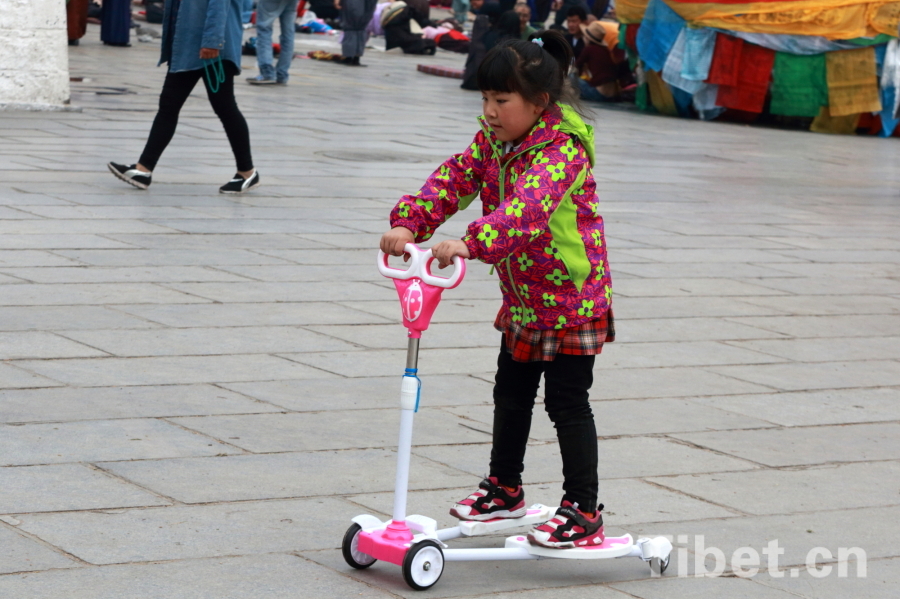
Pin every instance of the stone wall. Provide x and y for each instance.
(34, 56)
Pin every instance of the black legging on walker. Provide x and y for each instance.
(175, 92)
(567, 380)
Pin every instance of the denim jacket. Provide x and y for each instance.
(201, 24)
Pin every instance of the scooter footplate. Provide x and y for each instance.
(611, 547)
(536, 513)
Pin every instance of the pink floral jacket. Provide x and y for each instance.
(541, 224)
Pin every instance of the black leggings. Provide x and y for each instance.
(567, 380)
(175, 92)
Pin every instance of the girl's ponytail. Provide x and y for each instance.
(555, 43)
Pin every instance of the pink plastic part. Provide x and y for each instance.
(609, 543)
(389, 544)
(418, 301)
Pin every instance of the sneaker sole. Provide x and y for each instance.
(562, 545)
(254, 186)
(492, 516)
(122, 177)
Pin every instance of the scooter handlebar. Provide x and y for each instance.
(420, 267)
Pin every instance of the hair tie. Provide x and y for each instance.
(538, 41)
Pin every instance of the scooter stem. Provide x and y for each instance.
(409, 403)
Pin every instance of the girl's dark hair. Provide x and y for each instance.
(531, 69)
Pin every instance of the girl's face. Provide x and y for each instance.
(509, 114)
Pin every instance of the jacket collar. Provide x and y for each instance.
(544, 131)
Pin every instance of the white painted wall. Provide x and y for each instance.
(34, 54)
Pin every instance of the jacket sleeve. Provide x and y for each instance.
(450, 188)
(552, 177)
(214, 27)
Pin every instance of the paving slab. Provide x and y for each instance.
(378, 362)
(35, 344)
(831, 326)
(66, 487)
(795, 490)
(96, 403)
(314, 395)
(797, 534)
(320, 291)
(826, 350)
(101, 440)
(17, 378)
(700, 588)
(118, 274)
(688, 329)
(18, 553)
(283, 475)
(391, 336)
(167, 370)
(880, 582)
(207, 341)
(796, 376)
(841, 406)
(633, 417)
(190, 532)
(623, 458)
(807, 445)
(276, 576)
(678, 353)
(26, 318)
(358, 428)
(807, 305)
(261, 314)
(88, 294)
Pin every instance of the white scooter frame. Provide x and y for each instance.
(414, 542)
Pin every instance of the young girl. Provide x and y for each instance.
(531, 164)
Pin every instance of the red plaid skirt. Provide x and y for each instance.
(534, 345)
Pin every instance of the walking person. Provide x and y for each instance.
(355, 16)
(201, 40)
(267, 12)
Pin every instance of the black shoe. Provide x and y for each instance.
(130, 174)
(240, 185)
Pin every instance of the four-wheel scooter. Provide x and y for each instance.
(414, 542)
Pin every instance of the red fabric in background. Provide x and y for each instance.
(631, 31)
(726, 60)
(753, 74)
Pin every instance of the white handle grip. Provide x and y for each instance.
(420, 267)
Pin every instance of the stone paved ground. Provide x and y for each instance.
(200, 391)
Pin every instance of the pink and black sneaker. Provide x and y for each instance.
(490, 501)
(569, 528)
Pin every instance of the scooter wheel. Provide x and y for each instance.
(350, 548)
(423, 565)
(659, 565)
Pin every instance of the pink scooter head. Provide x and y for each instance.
(420, 290)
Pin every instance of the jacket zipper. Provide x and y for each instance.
(502, 191)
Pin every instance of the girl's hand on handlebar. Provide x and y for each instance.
(445, 251)
(393, 242)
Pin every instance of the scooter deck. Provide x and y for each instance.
(610, 548)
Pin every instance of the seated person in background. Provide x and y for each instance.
(576, 20)
(491, 27)
(508, 26)
(524, 12)
(563, 9)
(402, 26)
(601, 64)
